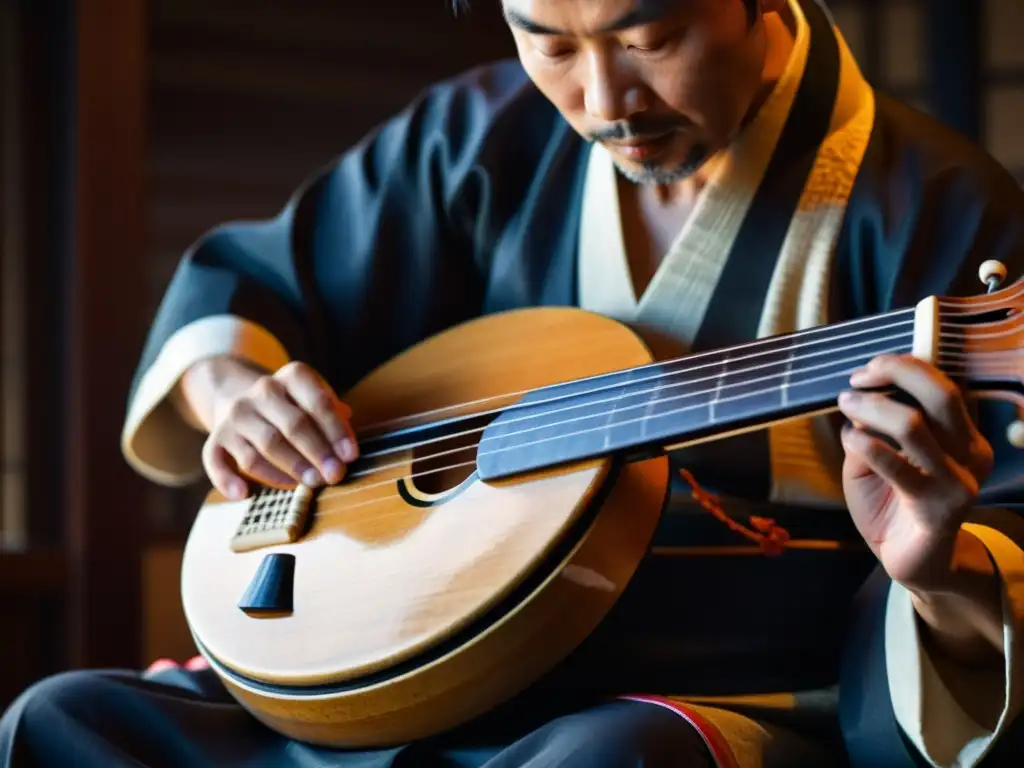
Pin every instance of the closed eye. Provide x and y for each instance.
(553, 52)
(657, 46)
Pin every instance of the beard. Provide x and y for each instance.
(654, 174)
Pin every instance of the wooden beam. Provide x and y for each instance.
(874, 41)
(954, 45)
(106, 322)
(9, 77)
(42, 220)
(32, 575)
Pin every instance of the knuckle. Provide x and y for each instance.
(949, 397)
(239, 409)
(913, 425)
(248, 458)
(267, 388)
(267, 440)
(874, 452)
(324, 402)
(298, 424)
(983, 457)
(292, 372)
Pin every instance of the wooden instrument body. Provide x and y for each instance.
(420, 605)
(417, 609)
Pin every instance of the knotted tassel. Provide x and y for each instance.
(772, 538)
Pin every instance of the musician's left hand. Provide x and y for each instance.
(909, 502)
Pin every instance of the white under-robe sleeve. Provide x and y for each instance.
(943, 725)
(155, 439)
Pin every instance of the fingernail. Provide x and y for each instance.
(346, 450)
(848, 398)
(332, 469)
(237, 490)
(310, 477)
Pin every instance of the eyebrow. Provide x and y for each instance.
(646, 12)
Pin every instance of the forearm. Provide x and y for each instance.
(962, 617)
(209, 383)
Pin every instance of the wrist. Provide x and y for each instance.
(962, 610)
(209, 386)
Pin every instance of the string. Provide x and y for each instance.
(977, 305)
(952, 306)
(716, 402)
(1010, 330)
(817, 331)
(423, 473)
(618, 385)
(947, 351)
(461, 465)
(789, 361)
(625, 394)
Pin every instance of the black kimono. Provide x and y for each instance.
(836, 202)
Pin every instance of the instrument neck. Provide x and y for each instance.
(706, 396)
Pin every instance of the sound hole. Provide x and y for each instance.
(445, 463)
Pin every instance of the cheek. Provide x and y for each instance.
(713, 86)
(559, 87)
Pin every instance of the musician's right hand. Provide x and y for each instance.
(279, 430)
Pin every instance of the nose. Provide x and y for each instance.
(611, 91)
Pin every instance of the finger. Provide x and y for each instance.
(220, 468)
(905, 425)
(299, 430)
(884, 461)
(247, 420)
(252, 464)
(314, 395)
(938, 396)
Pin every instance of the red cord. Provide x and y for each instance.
(770, 537)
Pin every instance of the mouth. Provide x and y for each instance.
(643, 149)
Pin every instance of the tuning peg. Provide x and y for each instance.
(992, 273)
(1015, 434)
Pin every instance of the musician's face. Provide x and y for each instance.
(662, 84)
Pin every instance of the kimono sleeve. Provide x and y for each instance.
(955, 715)
(931, 213)
(374, 252)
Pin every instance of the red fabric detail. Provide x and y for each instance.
(713, 738)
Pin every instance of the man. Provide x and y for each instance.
(709, 172)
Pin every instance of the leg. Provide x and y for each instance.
(655, 731)
(185, 718)
(111, 719)
(616, 734)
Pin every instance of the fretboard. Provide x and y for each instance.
(700, 396)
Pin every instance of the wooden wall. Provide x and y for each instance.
(248, 97)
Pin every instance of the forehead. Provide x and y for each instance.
(584, 16)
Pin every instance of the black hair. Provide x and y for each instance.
(753, 7)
